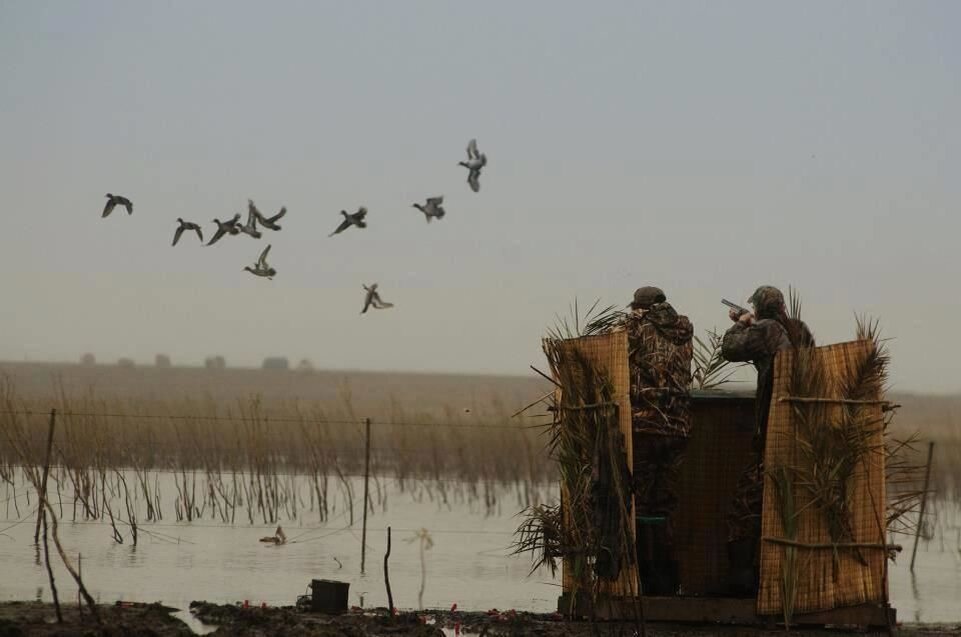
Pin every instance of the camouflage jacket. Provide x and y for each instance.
(660, 350)
(758, 344)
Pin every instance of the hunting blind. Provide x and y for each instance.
(823, 548)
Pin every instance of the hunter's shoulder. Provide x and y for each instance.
(767, 324)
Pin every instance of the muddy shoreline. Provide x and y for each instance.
(146, 620)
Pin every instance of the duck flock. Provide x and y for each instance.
(432, 209)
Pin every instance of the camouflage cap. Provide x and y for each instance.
(647, 296)
(767, 300)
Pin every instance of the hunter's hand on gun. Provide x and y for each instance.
(739, 314)
(746, 319)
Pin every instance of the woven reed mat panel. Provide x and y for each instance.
(823, 583)
(717, 453)
(608, 355)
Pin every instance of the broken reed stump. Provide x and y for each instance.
(390, 597)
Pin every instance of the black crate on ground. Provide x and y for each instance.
(328, 596)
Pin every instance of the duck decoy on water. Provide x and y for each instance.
(267, 222)
(432, 209)
(279, 537)
(373, 299)
(116, 200)
(186, 225)
(261, 268)
(250, 228)
(475, 161)
(225, 227)
(355, 219)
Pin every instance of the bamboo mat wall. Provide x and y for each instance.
(608, 355)
(824, 581)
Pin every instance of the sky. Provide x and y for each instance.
(703, 147)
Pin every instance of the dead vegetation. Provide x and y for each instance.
(130, 463)
(256, 461)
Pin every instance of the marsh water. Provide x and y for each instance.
(467, 560)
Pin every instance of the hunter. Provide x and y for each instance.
(660, 350)
(756, 337)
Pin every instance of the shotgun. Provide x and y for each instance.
(735, 307)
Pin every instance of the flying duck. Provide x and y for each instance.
(186, 225)
(250, 228)
(268, 222)
(373, 299)
(356, 219)
(225, 227)
(475, 161)
(261, 268)
(432, 209)
(116, 200)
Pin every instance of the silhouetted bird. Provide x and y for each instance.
(250, 228)
(475, 161)
(268, 222)
(373, 299)
(356, 219)
(225, 227)
(261, 268)
(186, 225)
(433, 208)
(116, 200)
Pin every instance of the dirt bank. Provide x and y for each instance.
(35, 618)
(149, 620)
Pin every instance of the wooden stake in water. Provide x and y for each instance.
(43, 516)
(924, 501)
(363, 536)
(390, 598)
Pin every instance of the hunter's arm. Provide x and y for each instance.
(742, 343)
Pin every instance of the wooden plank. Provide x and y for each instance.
(718, 452)
(665, 609)
(860, 615)
(723, 610)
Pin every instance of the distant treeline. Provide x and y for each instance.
(210, 362)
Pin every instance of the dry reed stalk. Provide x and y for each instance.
(19, 443)
(790, 572)
(102, 439)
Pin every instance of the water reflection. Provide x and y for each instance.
(132, 556)
(917, 597)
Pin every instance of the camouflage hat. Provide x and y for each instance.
(647, 296)
(767, 300)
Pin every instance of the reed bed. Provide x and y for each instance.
(936, 419)
(131, 462)
(144, 425)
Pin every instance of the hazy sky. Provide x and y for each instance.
(704, 147)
